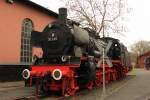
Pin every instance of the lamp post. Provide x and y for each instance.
(104, 87)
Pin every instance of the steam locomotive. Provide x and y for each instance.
(67, 58)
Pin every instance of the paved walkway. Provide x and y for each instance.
(136, 89)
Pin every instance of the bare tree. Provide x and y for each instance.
(140, 47)
(100, 15)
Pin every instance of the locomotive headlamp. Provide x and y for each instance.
(57, 74)
(63, 58)
(26, 74)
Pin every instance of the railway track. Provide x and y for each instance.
(26, 98)
(37, 98)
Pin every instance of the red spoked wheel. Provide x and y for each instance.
(69, 86)
(98, 80)
(90, 85)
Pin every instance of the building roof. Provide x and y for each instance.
(39, 7)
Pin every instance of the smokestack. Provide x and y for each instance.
(63, 15)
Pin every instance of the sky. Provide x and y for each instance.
(138, 20)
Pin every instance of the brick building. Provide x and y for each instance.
(17, 19)
(142, 58)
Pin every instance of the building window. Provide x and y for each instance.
(26, 49)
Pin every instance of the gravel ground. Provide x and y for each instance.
(10, 90)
